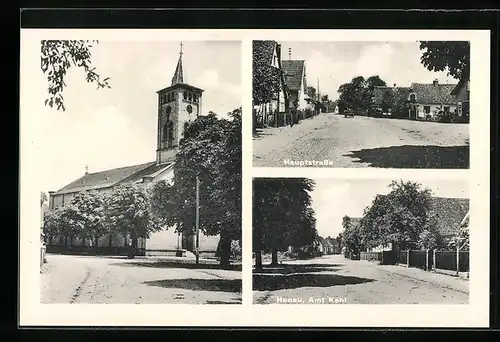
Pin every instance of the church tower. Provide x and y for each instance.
(178, 105)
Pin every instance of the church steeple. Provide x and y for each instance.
(179, 73)
(178, 105)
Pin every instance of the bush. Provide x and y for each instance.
(235, 250)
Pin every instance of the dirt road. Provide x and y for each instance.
(336, 280)
(88, 279)
(363, 142)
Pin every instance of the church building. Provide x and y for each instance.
(178, 105)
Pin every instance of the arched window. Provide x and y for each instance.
(190, 96)
(185, 95)
(195, 98)
(170, 134)
(186, 126)
(165, 132)
(413, 97)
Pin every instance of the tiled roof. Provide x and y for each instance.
(450, 213)
(149, 171)
(433, 93)
(399, 92)
(294, 73)
(458, 86)
(103, 179)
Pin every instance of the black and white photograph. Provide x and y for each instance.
(360, 241)
(140, 150)
(354, 104)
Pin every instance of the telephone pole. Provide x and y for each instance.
(197, 219)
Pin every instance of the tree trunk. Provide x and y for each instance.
(133, 237)
(274, 257)
(258, 260)
(225, 251)
(96, 239)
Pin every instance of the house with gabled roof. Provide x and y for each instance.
(296, 81)
(400, 97)
(427, 100)
(178, 105)
(450, 214)
(461, 93)
(267, 62)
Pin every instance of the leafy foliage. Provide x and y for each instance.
(128, 211)
(43, 198)
(282, 214)
(353, 239)
(57, 56)
(357, 94)
(90, 215)
(452, 56)
(266, 77)
(63, 221)
(211, 150)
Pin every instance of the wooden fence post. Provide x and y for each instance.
(434, 260)
(426, 259)
(458, 260)
(408, 258)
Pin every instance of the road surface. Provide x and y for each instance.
(336, 280)
(89, 279)
(363, 142)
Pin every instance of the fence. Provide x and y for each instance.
(424, 259)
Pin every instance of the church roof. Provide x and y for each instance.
(109, 178)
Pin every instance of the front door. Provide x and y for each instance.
(413, 113)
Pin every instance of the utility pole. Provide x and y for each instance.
(197, 219)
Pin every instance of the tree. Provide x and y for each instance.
(388, 100)
(340, 240)
(352, 235)
(398, 217)
(450, 56)
(62, 221)
(311, 92)
(282, 215)
(57, 56)
(324, 98)
(90, 215)
(358, 93)
(211, 149)
(430, 237)
(266, 77)
(128, 212)
(43, 198)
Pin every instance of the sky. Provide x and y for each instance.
(116, 127)
(336, 63)
(332, 199)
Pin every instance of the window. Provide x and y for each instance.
(195, 98)
(165, 132)
(185, 95)
(190, 96)
(446, 109)
(427, 109)
(186, 125)
(413, 97)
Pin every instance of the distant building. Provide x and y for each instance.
(428, 99)
(461, 94)
(178, 105)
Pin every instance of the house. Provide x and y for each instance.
(334, 246)
(461, 94)
(426, 100)
(178, 105)
(327, 246)
(295, 80)
(450, 213)
(267, 60)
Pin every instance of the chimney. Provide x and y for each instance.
(435, 82)
(289, 54)
(394, 85)
(86, 169)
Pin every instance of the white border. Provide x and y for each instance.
(475, 314)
